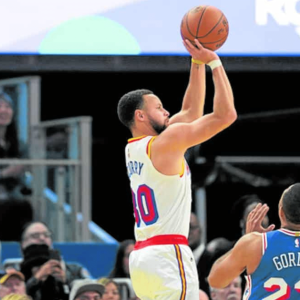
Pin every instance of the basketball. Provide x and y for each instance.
(206, 23)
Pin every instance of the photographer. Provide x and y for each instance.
(38, 233)
(44, 273)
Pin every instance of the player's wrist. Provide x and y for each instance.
(197, 61)
(214, 63)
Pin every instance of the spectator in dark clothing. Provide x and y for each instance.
(121, 266)
(240, 211)
(195, 241)
(11, 176)
(213, 250)
(44, 275)
(38, 233)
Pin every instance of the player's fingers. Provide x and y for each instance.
(253, 213)
(188, 44)
(259, 211)
(258, 206)
(262, 211)
(189, 48)
(198, 44)
(251, 216)
(185, 45)
(270, 228)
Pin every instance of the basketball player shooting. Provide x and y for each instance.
(162, 265)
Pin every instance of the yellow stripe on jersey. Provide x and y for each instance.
(149, 146)
(182, 169)
(181, 271)
(149, 155)
(135, 139)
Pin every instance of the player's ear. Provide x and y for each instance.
(281, 213)
(242, 224)
(139, 114)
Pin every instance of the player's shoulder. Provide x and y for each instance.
(139, 143)
(172, 135)
(250, 240)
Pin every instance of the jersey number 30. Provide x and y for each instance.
(144, 205)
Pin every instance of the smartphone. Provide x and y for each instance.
(55, 254)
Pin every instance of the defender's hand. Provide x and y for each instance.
(255, 218)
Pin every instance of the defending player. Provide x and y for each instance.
(270, 258)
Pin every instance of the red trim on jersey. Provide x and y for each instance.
(248, 289)
(290, 232)
(136, 139)
(265, 243)
(166, 239)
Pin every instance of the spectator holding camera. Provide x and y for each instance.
(38, 233)
(44, 275)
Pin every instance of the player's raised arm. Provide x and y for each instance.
(194, 97)
(245, 254)
(186, 135)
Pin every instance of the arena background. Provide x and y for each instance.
(268, 124)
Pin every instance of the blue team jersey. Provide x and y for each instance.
(277, 276)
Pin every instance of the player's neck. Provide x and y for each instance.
(291, 227)
(137, 133)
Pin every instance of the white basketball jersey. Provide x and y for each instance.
(161, 203)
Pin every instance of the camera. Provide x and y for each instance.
(54, 254)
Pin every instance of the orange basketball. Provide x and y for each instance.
(206, 23)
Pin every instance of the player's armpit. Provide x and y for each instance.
(205, 128)
(182, 136)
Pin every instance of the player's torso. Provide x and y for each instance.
(162, 203)
(278, 274)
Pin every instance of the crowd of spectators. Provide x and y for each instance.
(43, 274)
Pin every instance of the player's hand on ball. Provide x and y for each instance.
(255, 218)
(199, 52)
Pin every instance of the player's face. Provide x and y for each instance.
(158, 117)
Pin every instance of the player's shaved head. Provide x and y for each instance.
(291, 203)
